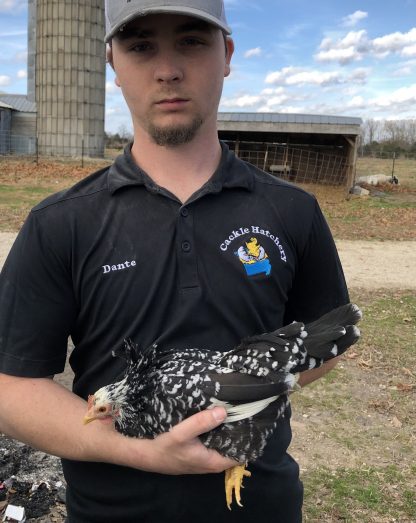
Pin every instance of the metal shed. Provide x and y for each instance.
(18, 124)
(299, 147)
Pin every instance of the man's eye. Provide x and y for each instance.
(192, 41)
(141, 47)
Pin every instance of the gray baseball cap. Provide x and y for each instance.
(121, 12)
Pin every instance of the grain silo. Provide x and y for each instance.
(67, 70)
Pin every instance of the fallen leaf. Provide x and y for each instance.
(396, 422)
(405, 387)
(351, 355)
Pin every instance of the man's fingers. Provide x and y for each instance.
(199, 423)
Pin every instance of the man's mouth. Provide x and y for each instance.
(171, 102)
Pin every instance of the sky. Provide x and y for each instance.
(355, 58)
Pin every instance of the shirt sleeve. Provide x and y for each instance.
(37, 303)
(319, 284)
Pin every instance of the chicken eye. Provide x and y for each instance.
(102, 409)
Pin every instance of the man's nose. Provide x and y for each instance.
(167, 69)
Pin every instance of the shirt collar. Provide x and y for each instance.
(231, 173)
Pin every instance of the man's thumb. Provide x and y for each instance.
(200, 423)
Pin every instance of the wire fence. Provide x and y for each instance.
(386, 155)
(78, 149)
(298, 165)
(11, 144)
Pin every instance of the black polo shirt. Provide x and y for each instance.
(117, 256)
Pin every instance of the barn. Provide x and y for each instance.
(302, 148)
(17, 125)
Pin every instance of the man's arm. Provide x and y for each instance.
(308, 376)
(48, 417)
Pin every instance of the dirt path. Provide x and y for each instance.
(379, 265)
(367, 264)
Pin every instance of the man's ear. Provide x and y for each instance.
(109, 56)
(229, 45)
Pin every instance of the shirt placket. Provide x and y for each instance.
(186, 249)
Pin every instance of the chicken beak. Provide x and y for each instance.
(88, 418)
(90, 415)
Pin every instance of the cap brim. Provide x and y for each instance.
(196, 13)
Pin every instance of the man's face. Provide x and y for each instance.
(171, 70)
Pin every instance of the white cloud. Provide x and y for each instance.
(314, 78)
(21, 56)
(257, 51)
(111, 88)
(403, 43)
(354, 18)
(405, 96)
(406, 70)
(293, 76)
(359, 75)
(344, 50)
(4, 80)
(8, 34)
(270, 91)
(241, 101)
(399, 101)
(409, 50)
(357, 102)
(22, 73)
(343, 56)
(12, 5)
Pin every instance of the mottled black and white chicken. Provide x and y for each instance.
(160, 387)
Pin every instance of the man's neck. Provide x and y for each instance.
(182, 169)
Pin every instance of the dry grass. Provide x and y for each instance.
(390, 215)
(404, 169)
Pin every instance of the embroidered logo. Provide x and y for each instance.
(254, 258)
(237, 234)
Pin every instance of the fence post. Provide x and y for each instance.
(82, 152)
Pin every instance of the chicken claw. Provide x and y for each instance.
(234, 482)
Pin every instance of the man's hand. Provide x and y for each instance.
(180, 451)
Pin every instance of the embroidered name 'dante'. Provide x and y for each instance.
(119, 266)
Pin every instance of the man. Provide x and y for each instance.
(160, 247)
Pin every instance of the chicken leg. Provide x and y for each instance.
(234, 482)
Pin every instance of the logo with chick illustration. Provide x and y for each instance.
(254, 258)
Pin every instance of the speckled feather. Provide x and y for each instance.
(161, 388)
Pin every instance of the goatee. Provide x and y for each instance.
(174, 136)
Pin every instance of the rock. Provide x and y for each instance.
(359, 191)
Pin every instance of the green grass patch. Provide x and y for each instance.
(16, 196)
(352, 495)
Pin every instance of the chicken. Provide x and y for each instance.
(160, 388)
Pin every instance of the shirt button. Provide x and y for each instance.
(186, 246)
(184, 212)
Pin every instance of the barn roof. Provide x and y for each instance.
(288, 118)
(18, 102)
(254, 124)
(5, 106)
